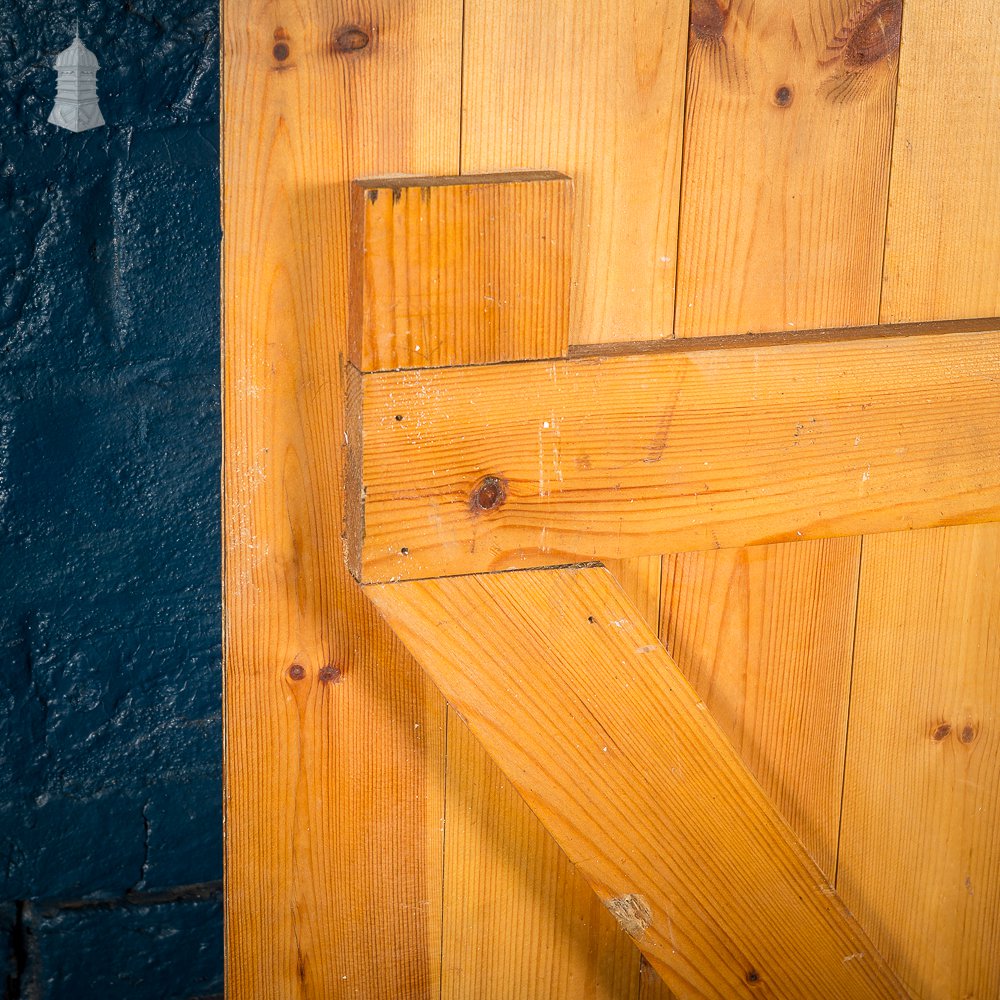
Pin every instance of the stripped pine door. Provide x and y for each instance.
(737, 168)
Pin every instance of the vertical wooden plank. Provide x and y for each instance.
(764, 636)
(520, 921)
(334, 740)
(596, 91)
(920, 854)
(786, 162)
(784, 186)
(942, 250)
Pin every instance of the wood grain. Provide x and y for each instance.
(640, 579)
(334, 852)
(786, 171)
(596, 91)
(921, 848)
(942, 248)
(584, 89)
(468, 270)
(676, 450)
(334, 752)
(919, 855)
(765, 636)
(520, 923)
(651, 985)
(570, 691)
(518, 920)
(786, 164)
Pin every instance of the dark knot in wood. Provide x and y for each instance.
(490, 492)
(352, 39)
(876, 35)
(783, 96)
(708, 19)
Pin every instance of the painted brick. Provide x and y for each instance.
(169, 950)
(109, 505)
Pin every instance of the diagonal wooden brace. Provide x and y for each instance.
(458, 471)
(572, 694)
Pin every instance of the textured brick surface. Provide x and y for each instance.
(169, 950)
(109, 507)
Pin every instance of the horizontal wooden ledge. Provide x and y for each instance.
(529, 464)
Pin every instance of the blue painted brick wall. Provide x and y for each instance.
(110, 830)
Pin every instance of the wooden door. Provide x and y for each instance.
(784, 170)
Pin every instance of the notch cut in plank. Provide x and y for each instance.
(477, 469)
(570, 691)
(459, 270)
